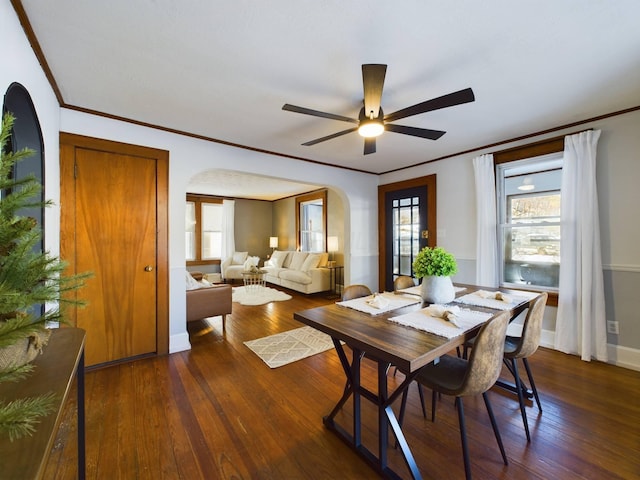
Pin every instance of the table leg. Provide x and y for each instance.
(80, 417)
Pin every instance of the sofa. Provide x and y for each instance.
(300, 271)
(206, 300)
(232, 267)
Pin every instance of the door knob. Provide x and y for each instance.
(148, 268)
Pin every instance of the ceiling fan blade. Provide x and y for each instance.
(372, 82)
(316, 113)
(414, 131)
(369, 145)
(455, 98)
(329, 137)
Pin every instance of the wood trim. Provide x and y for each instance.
(429, 182)
(319, 194)
(68, 143)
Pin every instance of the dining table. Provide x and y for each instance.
(377, 336)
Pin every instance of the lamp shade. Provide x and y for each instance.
(332, 244)
(273, 242)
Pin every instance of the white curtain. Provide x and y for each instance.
(581, 323)
(228, 229)
(486, 218)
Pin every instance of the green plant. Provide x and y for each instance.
(434, 261)
(28, 278)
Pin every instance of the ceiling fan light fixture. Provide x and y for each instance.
(370, 128)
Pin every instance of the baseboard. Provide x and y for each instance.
(620, 356)
(179, 343)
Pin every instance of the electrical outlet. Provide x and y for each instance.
(612, 327)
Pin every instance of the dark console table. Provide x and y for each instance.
(62, 360)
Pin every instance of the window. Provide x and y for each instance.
(312, 221)
(203, 229)
(529, 240)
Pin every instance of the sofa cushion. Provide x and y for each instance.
(295, 276)
(311, 261)
(298, 260)
(278, 258)
(239, 258)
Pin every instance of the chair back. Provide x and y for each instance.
(531, 329)
(402, 282)
(485, 362)
(355, 291)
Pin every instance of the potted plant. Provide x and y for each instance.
(435, 266)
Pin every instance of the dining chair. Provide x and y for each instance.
(523, 347)
(459, 377)
(355, 291)
(402, 282)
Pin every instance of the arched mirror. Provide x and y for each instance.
(26, 133)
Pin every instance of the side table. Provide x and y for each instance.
(336, 274)
(253, 281)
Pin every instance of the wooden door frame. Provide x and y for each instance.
(68, 143)
(429, 182)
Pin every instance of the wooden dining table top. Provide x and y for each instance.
(407, 348)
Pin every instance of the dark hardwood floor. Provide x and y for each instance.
(218, 412)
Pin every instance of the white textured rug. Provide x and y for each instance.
(258, 295)
(286, 347)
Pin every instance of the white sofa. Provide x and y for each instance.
(300, 271)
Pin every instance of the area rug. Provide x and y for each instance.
(258, 295)
(286, 347)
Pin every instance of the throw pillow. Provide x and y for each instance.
(311, 261)
(251, 262)
(239, 258)
(297, 260)
(192, 283)
(278, 257)
(323, 260)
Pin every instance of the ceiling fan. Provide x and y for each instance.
(372, 121)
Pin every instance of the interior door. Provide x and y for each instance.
(407, 224)
(110, 227)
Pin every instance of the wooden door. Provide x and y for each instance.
(111, 221)
(407, 213)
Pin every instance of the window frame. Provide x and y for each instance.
(198, 200)
(537, 149)
(310, 197)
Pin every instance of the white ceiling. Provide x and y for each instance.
(223, 69)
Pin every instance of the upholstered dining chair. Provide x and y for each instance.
(402, 282)
(523, 347)
(459, 377)
(355, 291)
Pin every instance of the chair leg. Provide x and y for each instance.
(533, 385)
(463, 438)
(494, 425)
(523, 411)
(433, 405)
(421, 393)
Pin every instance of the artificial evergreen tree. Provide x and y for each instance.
(29, 278)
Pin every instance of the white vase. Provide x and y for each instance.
(437, 289)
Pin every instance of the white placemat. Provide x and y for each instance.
(480, 299)
(466, 320)
(417, 290)
(389, 301)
